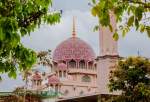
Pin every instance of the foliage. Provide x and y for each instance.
(132, 78)
(44, 58)
(129, 13)
(30, 96)
(17, 19)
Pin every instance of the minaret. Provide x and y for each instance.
(108, 55)
(108, 46)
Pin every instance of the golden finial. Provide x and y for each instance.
(73, 30)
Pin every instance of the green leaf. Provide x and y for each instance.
(136, 24)
(142, 28)
(148, 32)
(105, 20)
(94, 11)
(138, 12)
(129, 10)
(96, 28)
(123, 33)
(130, 21)
(110, 28)
(12, 74)
(94, 1)
(2, 35)
(0, 78)
(115, 36)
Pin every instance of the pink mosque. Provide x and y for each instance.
(76, 70)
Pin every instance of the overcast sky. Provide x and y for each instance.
(48, 37)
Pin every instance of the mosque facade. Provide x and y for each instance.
(77, 71)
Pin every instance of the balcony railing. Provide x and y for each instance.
(79, 70)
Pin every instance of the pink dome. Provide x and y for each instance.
(73, 48)
(53, 80)
(36, 76)
(62, 66)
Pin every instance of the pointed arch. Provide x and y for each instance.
(72, 63)
(82, 64)
(90, 65)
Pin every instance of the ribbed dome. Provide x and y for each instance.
(53, 80)
(73, 48)
(62, 66)
(36, 76)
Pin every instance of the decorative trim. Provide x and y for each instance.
(108, 56)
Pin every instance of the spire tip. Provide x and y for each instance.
(73, 30)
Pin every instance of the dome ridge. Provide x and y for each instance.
(53, 80)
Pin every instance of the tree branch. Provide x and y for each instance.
(31, 18)
(138, 2)
(141, 3)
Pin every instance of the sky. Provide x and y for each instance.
(48, 37)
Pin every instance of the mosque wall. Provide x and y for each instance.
(104, 67)
(70, 91)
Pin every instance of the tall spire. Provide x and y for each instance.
(73, 29)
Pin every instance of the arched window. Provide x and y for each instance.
(72, 64)
(82, 64)
(56, 88)
(64, 62)
(60, 74)
(38, 82)
(90, 65)
(95, 66)
(86, 78)
(34, 82)
(54, 64)
(65, 74)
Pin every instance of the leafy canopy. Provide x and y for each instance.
(132, 78)
(129, 13)
(17, 19)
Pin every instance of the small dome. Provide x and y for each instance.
(73, 48)
(62, 66)
(36, 76)
(53, 80)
